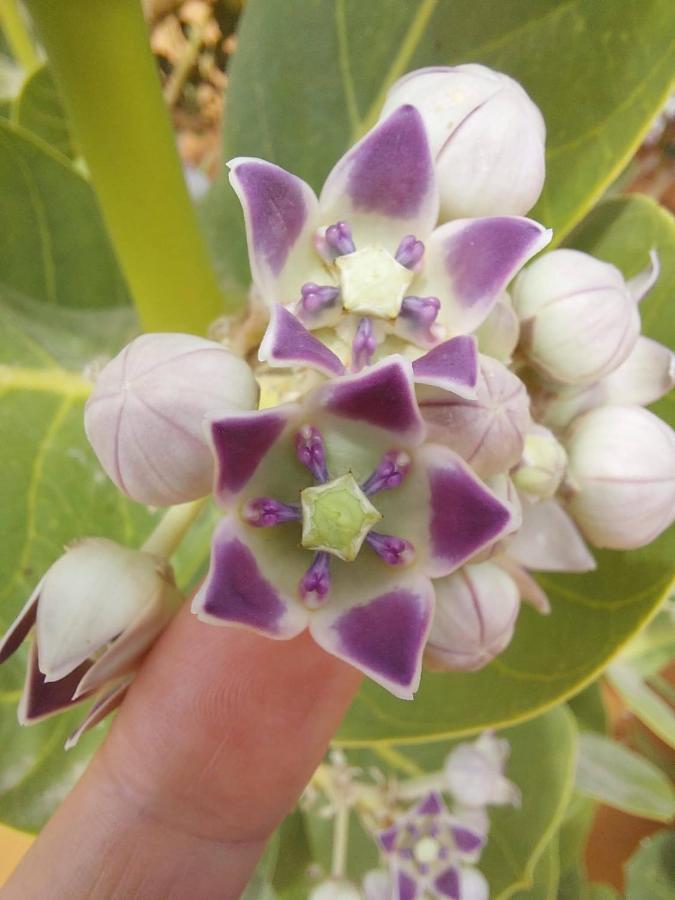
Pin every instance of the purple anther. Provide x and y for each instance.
(263, 512)
(315, 583)
(364, 345)
(395, 551)
(339, 239)
(421, 313)
(315, 298)
(410, 251)
(311, 452)
(390, 472)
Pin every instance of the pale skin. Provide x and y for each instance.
(219, 734)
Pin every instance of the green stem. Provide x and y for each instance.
(340, 841)
(17, 36)
(100, 55)
(172, 528)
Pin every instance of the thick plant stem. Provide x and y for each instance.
(16, 35)
(100, 56)
(172, 528)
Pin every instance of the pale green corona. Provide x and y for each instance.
(372, 283)
(336, 517)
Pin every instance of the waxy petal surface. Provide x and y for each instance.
(466, 517)
(42, 698)
(549, 541)
(281, 215)
(384, 635)
(470, 262)
(288, 343)
(20, 627)
(383, 396)
(452, 365)
(106, 704)
(384, 187)
(238, 592)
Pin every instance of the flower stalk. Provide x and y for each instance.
(101, 59)
(167, 536)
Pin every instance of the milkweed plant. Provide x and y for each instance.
(434, 393)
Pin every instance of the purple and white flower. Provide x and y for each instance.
(474, 773)
(338, 517)
(363, 266)
(95, 614)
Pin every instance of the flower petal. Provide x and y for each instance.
(237, 592)
(240, 442)
(18, 630)
(281, 214)
(288, 343)
(98, 712)
(452, 365)
(447, 884)
(42, 698)
(382, 633)
(382, 396)
(549, 541)
(465, 515)
(469, 263)
(385, 187)
(642, 283)
(405, 887)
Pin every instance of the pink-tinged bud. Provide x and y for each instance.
(486, 135)
(499, 333)
(621, 464)
(487, 430)
(542, 465)
(579, 320)
(144, 417)
(475, 614)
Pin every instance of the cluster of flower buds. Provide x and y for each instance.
(430, 850)
(426, 437)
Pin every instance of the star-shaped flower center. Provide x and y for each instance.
(372, 282)
(336, 517)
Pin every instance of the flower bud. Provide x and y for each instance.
(377, 885)
(542, 465)
(335, 889)
(487, 430)
(579, 320)
(476, 611)
(621, 464)
(144, 417)
(96, 612)
(498, 335)
(474, 773)
(486, 135)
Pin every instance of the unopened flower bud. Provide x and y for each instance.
(475, 614)
(474, 773)
(486, 430)
(621, 464)
(579, 320)
(96, 612)
(335, 889)
(542, 466)
(377, 885)
(144, 417)
(498, 335)
(486, 134)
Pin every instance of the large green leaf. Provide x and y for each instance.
(38, 109)
(53, 492)
(594, 615)
(546, 877)
(53, 244)
(309, 78)
(541, 764)
(650, 873)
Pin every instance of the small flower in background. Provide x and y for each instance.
(486, 137)
(144, 416)
(95, 613)
(474, 773)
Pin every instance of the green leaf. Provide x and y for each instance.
(308, 79)
(546, 877)
(611, 774)
(53, 244)
(574, 832)
(650, 872)
(593, 615)
(589, 709)
(38, 108)
(645, 703)
(53, 492)
(541, 764)
(654, 647)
